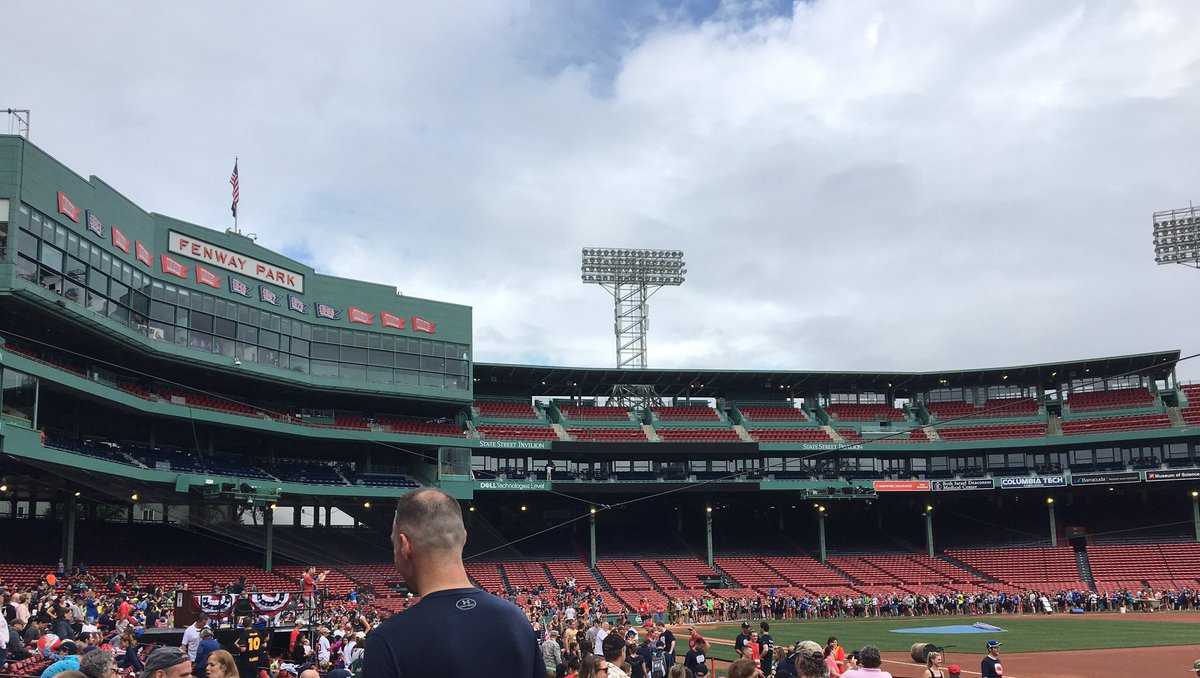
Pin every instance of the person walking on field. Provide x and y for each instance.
(429, 638)
(990, 667)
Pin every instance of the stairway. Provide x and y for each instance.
(1175, 417)
(1084, 566)
(724, 574)
(931, 433)
(840, 571)
(638, 566)
(743, 433)
(604, 585)
(674, 578)
(504, 578)
(1054, 425)
(650, 433)
(833, 434)
(549, 576)
(960, 564)
(560, 431)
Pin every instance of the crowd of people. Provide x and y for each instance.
(566, 603)
(69, 621)
(75, 625)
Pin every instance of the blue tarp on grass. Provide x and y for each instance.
(953, 629)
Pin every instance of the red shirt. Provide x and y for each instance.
(309, 584)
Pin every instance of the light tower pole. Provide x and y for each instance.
(18, 121)
(632, 276)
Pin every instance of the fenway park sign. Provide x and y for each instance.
(229, 260)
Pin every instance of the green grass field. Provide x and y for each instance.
(1022, 634)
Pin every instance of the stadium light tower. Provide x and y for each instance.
(18, 121)
(1177, 237)
(631, 277)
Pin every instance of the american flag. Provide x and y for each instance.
(233, 181)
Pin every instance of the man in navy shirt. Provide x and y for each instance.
(456, 631)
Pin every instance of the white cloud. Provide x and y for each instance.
(862, 185)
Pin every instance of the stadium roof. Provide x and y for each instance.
(505, 379)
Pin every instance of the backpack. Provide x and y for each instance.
(658, 663)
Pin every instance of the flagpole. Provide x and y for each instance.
(235, 224)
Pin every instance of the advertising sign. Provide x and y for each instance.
(901, 485)
(513, 485)
(962, 485)
(1108, 478)
(1031, 482)
(1176, 474)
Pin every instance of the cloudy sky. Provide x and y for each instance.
(857, 184)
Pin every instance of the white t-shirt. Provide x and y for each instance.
(191, 640)
(601, 634)
(323, 648)
(569, 613)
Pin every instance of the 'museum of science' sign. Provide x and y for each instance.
(232, 261)
(513, 485)
(1030, 482)
(1178, 474)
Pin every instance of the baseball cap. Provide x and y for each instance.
(163, 658)
(993, 644)
(745, 625)
(1196, 665)
(954, 670)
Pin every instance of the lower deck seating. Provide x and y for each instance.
(698, 435)
(505, 410)
(754, 413)
(790, 435)
(628, 435)
(1109, 424)
(1026, 565)
(511, 432)
(1108, 400)
(421, 428)
(690, 413)
(991, 432)
(862, 412)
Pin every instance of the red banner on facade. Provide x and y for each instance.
(119, 240)
(207, 277)
(65, 206)
(357, 315)
(390, 320)
(420, 324)
(143, 255)
(173, 267)
(901, 485)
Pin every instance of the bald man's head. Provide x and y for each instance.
(309, 673)
(428, 523)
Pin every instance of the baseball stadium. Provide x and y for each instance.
(193, 422)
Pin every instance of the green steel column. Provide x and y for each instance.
(1196, 513)
(69, 516)
(929, 530)
(708, 534)
(269, 522)
(1053, 524)
(592, 541)
(821, 532)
